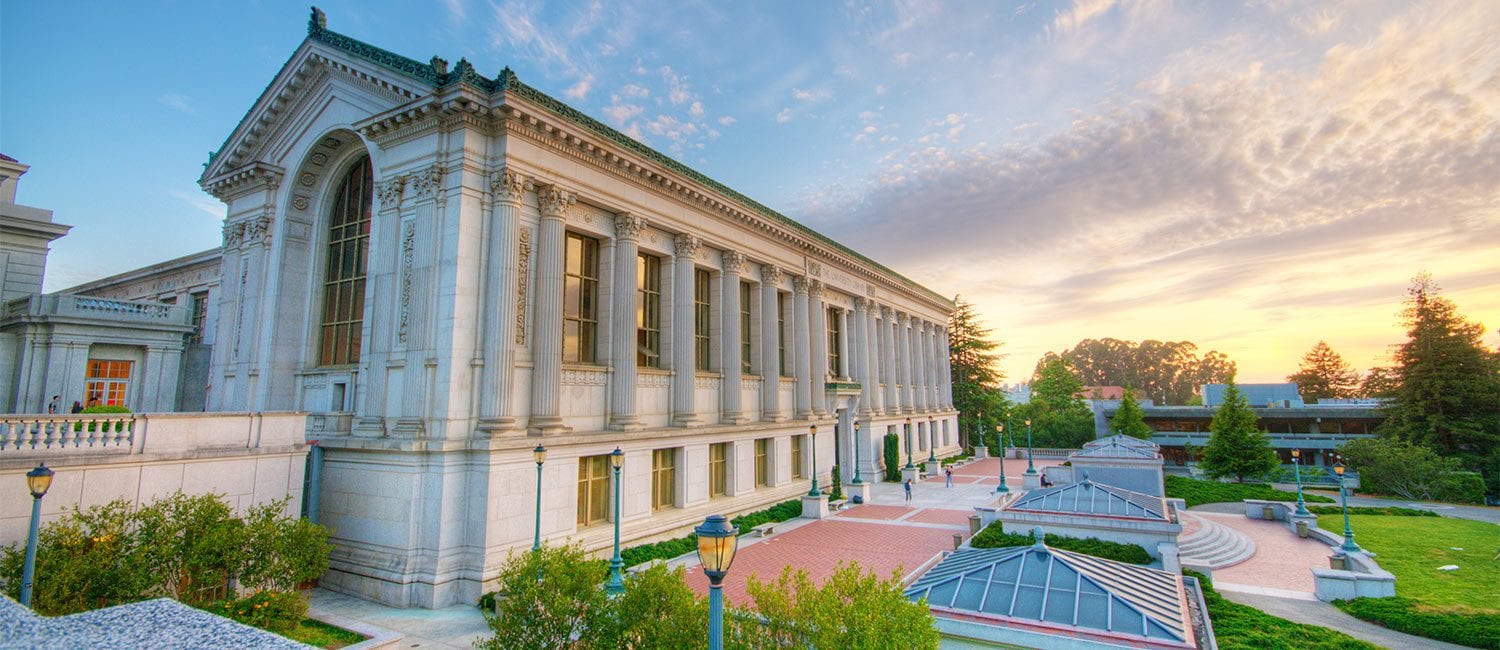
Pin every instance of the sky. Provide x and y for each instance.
(1252, 177)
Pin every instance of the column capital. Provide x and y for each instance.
(861, 304)
(734, 261)
(903, 319)
(390, 191)
(507, 186)
(687, 245)
(628, 226)
(770, 273)
(886, 312)
(815, 289)
(554, 201)
(801, 284)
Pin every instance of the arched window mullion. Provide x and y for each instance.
(344, 273)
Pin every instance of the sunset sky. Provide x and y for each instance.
(1251, 177)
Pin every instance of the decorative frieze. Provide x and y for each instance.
(583, 377)
(653, 380)
(710, 382)
(523, 276)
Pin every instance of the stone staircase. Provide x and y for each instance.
(1212, 544)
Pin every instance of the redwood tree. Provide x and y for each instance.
(1324, 374)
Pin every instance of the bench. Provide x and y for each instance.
(764, 529)
(837, 505)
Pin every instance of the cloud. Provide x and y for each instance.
(1082, 12)
(784, 116)
(580, 89)
(812, 96)
(199, 201)
(726, 120)
(177, 102)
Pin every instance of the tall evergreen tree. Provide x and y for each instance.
(1324, 374)
(976, 372)
(1447, 393)
(1130, 420)
(1059, 418)
(1236, 446)
(1380, 381)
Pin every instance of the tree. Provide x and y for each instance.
(1324, 374)
(1380, 381)
(1236, 446)
(1402, 469)
(549, 598)
(1130, 420)
(851, 609)
(1167, 372)
(976, 374)
(1447, 393)
(1059, 418)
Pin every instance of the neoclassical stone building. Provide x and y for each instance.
(457, 268)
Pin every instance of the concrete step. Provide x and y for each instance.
(1214, 545)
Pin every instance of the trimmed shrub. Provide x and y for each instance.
(1241, 627)
(276, 611)
(1461, 487)
(837, 491)
(850, 609)
(668, 549)
(1403, 615)
(102, 409)
(1195, 492)
(993, 536)
(1366, 510)
(547, 598)
(892, 458)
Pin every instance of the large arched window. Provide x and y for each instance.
(344, 279)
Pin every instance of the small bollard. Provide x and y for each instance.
(974, 524)
(958, 540)
(1268, 513)
(1302, 529)
(1338, 562)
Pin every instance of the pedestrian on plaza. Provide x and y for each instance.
(55, 405)
(77, 407)
(908, 490)
(949, 472)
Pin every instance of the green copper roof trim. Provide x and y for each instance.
(463, 72)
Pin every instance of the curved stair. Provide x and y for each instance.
(1213, 544)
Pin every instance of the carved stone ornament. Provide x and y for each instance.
(234, 233)
(902, 319)
(509, 187)
(307, 179)
(523, 275)
(801, 284)
(258, 230)
(814, 269)
(428, 182)
(815, 289)
(628, 226)
(860, 304)
(886, 312)
(390, 191)
(770, 273)
(554, 201)
(686, 245)
(734, 261)
(408, 253)
(299, 202)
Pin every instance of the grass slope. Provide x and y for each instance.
(1241, 627)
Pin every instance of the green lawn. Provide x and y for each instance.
(1241, 627)
(322, 635)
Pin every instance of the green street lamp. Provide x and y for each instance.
(716, 545)
(1349, 546)
(812, 438)
(909, 443)
(1297, 471)
(979, 429)
(616, 584)
(1030, 467)
(1000, 433)
(38, 481)
(931, 442)
(857, 445)
(540, 456)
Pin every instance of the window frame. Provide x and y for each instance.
(584, 312)
(762, 462)
(593, 475)
(747, 350)
(648, 311)
(781, 334)
(341, 323)
(702, 320)
(107, 380)
(798, 456)
(835, 337)
(718, 470)
(663, 479)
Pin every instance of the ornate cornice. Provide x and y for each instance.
(686, 245)
(243, 180)
(554, 201)
(629, 226)
(734, 261)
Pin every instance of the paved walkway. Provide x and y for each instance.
(1490, 514)
(1282, 564)
(448, 628)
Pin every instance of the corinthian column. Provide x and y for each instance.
(947, 379)
(546, 353)
(507, 189)
(684, 370)
(934, 369)
(622, 415)
(872, 357)
(802, 363)
(818, 338)
(903, 333)
(770, 344)
(919, 355)
(729, 339)
(888, 360)
(861, 347)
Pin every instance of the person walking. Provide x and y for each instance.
(948, 472)
(908, 490)
(55, 405)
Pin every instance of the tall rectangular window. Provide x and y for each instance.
(835, 337)
(797, 471)
(580, 298)
(648, 311)
(106, 382)
(593, 489)
(718, 469)
(200, 315)
(781, 334)
(344, 273)
(762, 462)
(702, 319)
(745, 349)
(663, 478)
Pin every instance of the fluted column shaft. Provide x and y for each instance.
(935, 371)
(802, 367)
(684, 366)
(947, 379)
(507, 189)
(622, 383)
(546, 354)
(861, 352)
(819, 346)
(888, 361)
(729, 343)
(770, 344)
(872, 357)
(921, 350)
(908, 369)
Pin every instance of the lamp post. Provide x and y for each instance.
(1030, 467)
(979, 431)
(716, 546)
(857, 445)
(909, 441)
(1297, 471)
(616, 584)
(1349, 546)
(812, 438)
(1000, 433)
(38, 481)
(931, 441)
(540, 455)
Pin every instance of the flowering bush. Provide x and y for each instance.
(277, 611)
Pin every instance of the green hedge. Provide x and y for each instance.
(1365, 510)
(668, 549)
(892, 458)
(1241, 627)
(1196, 492)
(993, 536)
(953, 459)
(1462, 487)
(1404, 615)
